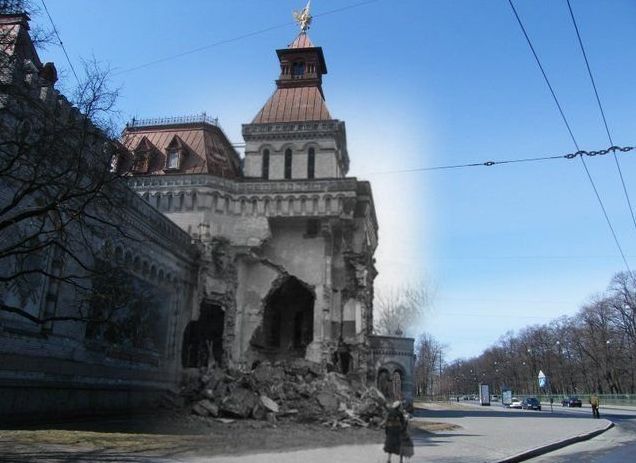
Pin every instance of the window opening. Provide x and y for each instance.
(265, 166)
(311, 163)
(288, 320)
(173, 159)
(298, 69)
(288, 163)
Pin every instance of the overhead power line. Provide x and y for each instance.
(565, 121)
(237, 38)
(59, 39)
(579, 153)
(600, 107)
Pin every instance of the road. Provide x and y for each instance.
(618, 445)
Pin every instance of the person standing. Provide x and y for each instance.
(595, 402)
(394, 424)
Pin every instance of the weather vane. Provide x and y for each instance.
(303, 17)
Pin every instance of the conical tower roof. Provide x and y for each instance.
(301, 41)
(298, 96)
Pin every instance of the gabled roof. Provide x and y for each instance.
(143, 144)
(176, 142)
(294, 104)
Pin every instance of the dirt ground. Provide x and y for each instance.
(164, 438)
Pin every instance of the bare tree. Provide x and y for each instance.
(61, 201)
(593, 350)
(429, 363)
(399, 310)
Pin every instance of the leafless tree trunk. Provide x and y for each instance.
(400, 310)
(61, 202)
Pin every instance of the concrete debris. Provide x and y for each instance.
(239, 403)
(294, 391)
(213, 409)
(199, 410)
(224, 420)
(269, 404)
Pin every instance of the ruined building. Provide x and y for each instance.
(271, 257)
(289, 241)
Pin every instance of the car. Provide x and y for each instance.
(572, 401)
(531, 403)
(515, 403)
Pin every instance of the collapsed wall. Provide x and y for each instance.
(297, 390)
(289, 264)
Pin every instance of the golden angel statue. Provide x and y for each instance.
(303, 17)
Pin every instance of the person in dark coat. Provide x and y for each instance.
(394, 427)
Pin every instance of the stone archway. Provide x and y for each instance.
(384, 382)
(390, 381)
(288, 319)
(203, 338)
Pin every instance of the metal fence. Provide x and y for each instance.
(605, 399)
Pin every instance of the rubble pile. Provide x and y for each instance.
(296, 390)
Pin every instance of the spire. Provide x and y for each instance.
(298, 95)
(301, 41)
(303, 17)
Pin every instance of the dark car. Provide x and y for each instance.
(531, 403)
(572, 401)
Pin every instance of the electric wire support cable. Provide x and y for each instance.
(600, 107)
(580, 153)
(567, 125)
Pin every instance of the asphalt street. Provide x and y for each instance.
(618, 445)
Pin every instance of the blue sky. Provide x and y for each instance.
(421, 83)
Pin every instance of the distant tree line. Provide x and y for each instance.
(591, 351)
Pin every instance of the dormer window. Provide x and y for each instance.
(143, 154)
(175, 154)
(141, 162)
(173, 159)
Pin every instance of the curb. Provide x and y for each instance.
(554, 446)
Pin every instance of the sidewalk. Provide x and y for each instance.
(486, 434)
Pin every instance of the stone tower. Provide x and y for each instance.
(294, 136)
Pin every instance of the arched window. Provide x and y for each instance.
(265, 165)
(288, 163)
(311, 163)
(298, 69)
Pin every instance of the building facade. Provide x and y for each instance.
(296, 234)
(265, 257)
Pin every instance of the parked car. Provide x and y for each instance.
(572, 401)
(531, 403)
(515, 403)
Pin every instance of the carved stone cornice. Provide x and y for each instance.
(292, 130)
